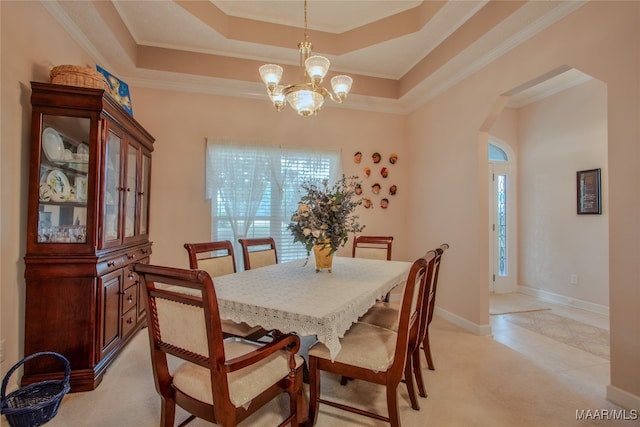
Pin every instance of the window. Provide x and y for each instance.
(255, 190)
(497, 154)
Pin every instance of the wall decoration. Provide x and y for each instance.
(118, 90)
(377, 161)
(588, 189)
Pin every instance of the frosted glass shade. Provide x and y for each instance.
(305, 101)
(341, 85)
(317, 67)
(278, 98)
(271, 75)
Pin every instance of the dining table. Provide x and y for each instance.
(293, 297)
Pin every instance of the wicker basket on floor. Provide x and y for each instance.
(74, 75)
(37, 403)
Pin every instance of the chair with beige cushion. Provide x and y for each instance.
(374, 247)
(217, 259)
(386, 316)
(221, 381)
(258, 252)
(374, 354)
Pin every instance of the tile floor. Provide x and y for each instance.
(578, 369)
(514, 378)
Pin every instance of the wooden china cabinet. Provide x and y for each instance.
(88, 221)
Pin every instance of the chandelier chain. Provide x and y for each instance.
(306, 35)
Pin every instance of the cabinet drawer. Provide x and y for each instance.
(137, 254)
(130, 277)
(129, 298)
(110, 264)
(129, 321)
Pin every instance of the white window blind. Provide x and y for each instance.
(254, 190)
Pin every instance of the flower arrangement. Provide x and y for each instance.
(325, 214)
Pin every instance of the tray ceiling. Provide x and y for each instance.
(400, 53)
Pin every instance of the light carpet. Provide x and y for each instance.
(567, 331)
(477, 382)
(513, 303)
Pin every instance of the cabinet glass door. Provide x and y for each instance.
(64, 164)
(112, 189)
(131, 191)
(144, 194)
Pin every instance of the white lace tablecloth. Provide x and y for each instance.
(292, 297)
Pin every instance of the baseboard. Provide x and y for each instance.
(623, 398)
(463, 323)
(562, 299)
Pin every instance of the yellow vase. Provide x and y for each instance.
(324, 259)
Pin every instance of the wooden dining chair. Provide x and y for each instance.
(374, 247)
(217, 258)
(258, 252)
(221, 381)
(432, 302)
(386, 315)
(374, 354)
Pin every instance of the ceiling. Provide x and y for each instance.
(399, 53)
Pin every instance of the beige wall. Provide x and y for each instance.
(442, 160)
(560, 135)
(181, 122)
(600, 39)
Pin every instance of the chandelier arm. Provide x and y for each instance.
(334, 98)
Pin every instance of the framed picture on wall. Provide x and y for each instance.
(588, 186)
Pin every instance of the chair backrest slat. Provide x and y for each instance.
(373, 247)
(258, 252)
(216, 258)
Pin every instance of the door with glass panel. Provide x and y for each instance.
(502, 247)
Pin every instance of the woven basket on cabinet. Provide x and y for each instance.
(74, 75)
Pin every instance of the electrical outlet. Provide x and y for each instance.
(573, 280)
(2, 350)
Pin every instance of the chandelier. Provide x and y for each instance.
(306, 97)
